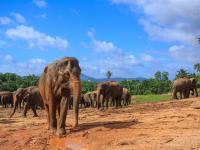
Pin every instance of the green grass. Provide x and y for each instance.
(150, 98)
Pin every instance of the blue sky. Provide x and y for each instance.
(132, 38)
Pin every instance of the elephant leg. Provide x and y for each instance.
(107, 100)
(91, 104)
(59, 111)
(102, 103)
(48, 116)
(182, 94)
(174, 94)
(33, 108)
(52, 113)
(117, 102)
(62, 117)
(25, 109)
(196, 92)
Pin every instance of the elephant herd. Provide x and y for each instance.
(60, 89)
(29, 98)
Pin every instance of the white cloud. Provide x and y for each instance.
(32, 66)
(176, 21)
(147, 58)
(18, 17)
(8, 58)
(172, 20)
(185, 54)
(110, 57)
(91, 33)
(40, 3)
(5, 21)
(167, 34)
(103, 46)
(36, 38)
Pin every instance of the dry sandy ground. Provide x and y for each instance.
(168, 125)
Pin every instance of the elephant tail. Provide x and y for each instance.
(14, 108)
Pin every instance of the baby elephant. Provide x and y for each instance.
(31, 96)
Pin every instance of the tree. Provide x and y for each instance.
(165, 76)
(157, 75)
(109, 74)
(197, 67)
(182, 73)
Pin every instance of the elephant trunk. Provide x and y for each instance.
(16, 101)
(76, 93)
(98, 98)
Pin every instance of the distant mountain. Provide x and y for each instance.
(87, 78)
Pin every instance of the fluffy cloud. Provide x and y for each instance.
(40, 3)
(172, 20)
(185, 54)
(18, 17)
(8, 58)
(5, 21)
(32, 66)
(110, 57)
(36, 38)
(147, 58)
(103, 46)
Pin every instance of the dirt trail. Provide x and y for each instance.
(165, 125)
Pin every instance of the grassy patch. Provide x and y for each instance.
(150, 98)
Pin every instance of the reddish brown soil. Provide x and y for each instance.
(167, 125)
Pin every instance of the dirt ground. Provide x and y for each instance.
(168, 125)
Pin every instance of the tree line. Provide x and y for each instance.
(159, 84)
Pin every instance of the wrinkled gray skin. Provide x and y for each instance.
(126, 97)
(109, 90)
(90, 99)
(6, 98)
(59, 81)
(18, 97)
(183, 86)
(193, 87)
(32, 98)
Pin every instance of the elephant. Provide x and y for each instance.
(183, 86)
(81, 102)
(32, 98)
(90, 98)
(6, 98)
(193, 87)
(59, 81)
(18, 97)
(109, 90)
(126, 97)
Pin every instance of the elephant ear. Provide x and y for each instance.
(46, 69)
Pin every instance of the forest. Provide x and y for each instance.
(159, 84)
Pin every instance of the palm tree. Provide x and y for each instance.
(109, 74)
(197, 67)
(182, 73)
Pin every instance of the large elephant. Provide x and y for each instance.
(59, 81)
(6, 98)
(183, 86)
(109, 90)
(126, 97)
(32, 98)
(91, 98)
